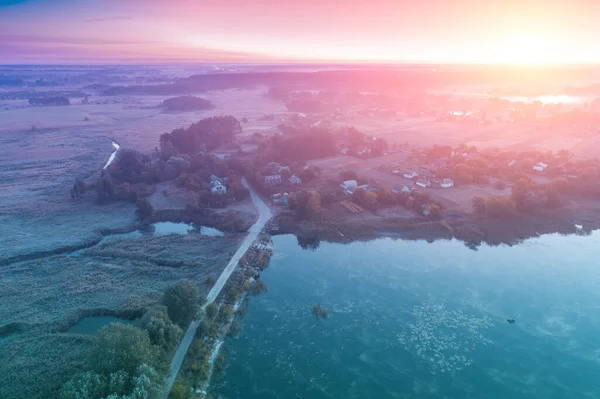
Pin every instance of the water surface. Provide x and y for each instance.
(91, 325)
(409, 319)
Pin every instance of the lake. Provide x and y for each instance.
(408, 319)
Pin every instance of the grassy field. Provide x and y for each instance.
(45, 297)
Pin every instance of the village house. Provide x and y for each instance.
(401, 188)
(447, 183)
(410, 174)
(364, 152)
(540, 166)
(349, 186)
(219, 188)
(273, 180)
(222, 155)
(512, 163)
(423, 183)
(295, 180)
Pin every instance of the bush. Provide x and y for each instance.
(179, 391)
(211, 310)
(182, 302)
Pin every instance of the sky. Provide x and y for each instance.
(239, 31)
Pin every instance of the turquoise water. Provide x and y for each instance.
(162, 228)
(91, 325)
(416, 320)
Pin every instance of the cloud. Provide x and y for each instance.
(37, 39)
(117, 18)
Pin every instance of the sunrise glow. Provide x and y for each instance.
(436, 31)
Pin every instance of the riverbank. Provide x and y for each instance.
(472, 230)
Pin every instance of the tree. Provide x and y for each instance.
(285, 174)
(145, 211)
(238, 191)
(162, 331)
(182, 302)
(308, 203)
(120, 347)
(435, 211)
(86, 385)
(348, 175)
(105, 188)
(386, 196)
(233, 222)
(211, 310)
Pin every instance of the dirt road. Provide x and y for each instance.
(255, 229)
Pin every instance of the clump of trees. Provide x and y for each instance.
(123, 364)
(204, 135)
(186, 103)
(182, 301)
(499, 206)
(300, 143)
(58, 100)
(161, 330)
(307, 204)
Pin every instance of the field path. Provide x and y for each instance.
(264, 216)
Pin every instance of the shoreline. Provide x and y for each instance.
(473, 231)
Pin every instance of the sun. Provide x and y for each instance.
(529, 48)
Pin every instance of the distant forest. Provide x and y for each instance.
(49, 101)
(186, 103)
(392, 79)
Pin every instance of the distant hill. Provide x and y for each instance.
(186, 103)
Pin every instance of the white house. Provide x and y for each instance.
(273, 180)
(345, 150)
(295, 180)
(401, 188)
(410, 174)
(512, 163)
(423, 183)
(218, 188)
(447, 183)
(349, 186)
(540, 166)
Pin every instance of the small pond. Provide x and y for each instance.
(163, 228)
(91, 325)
